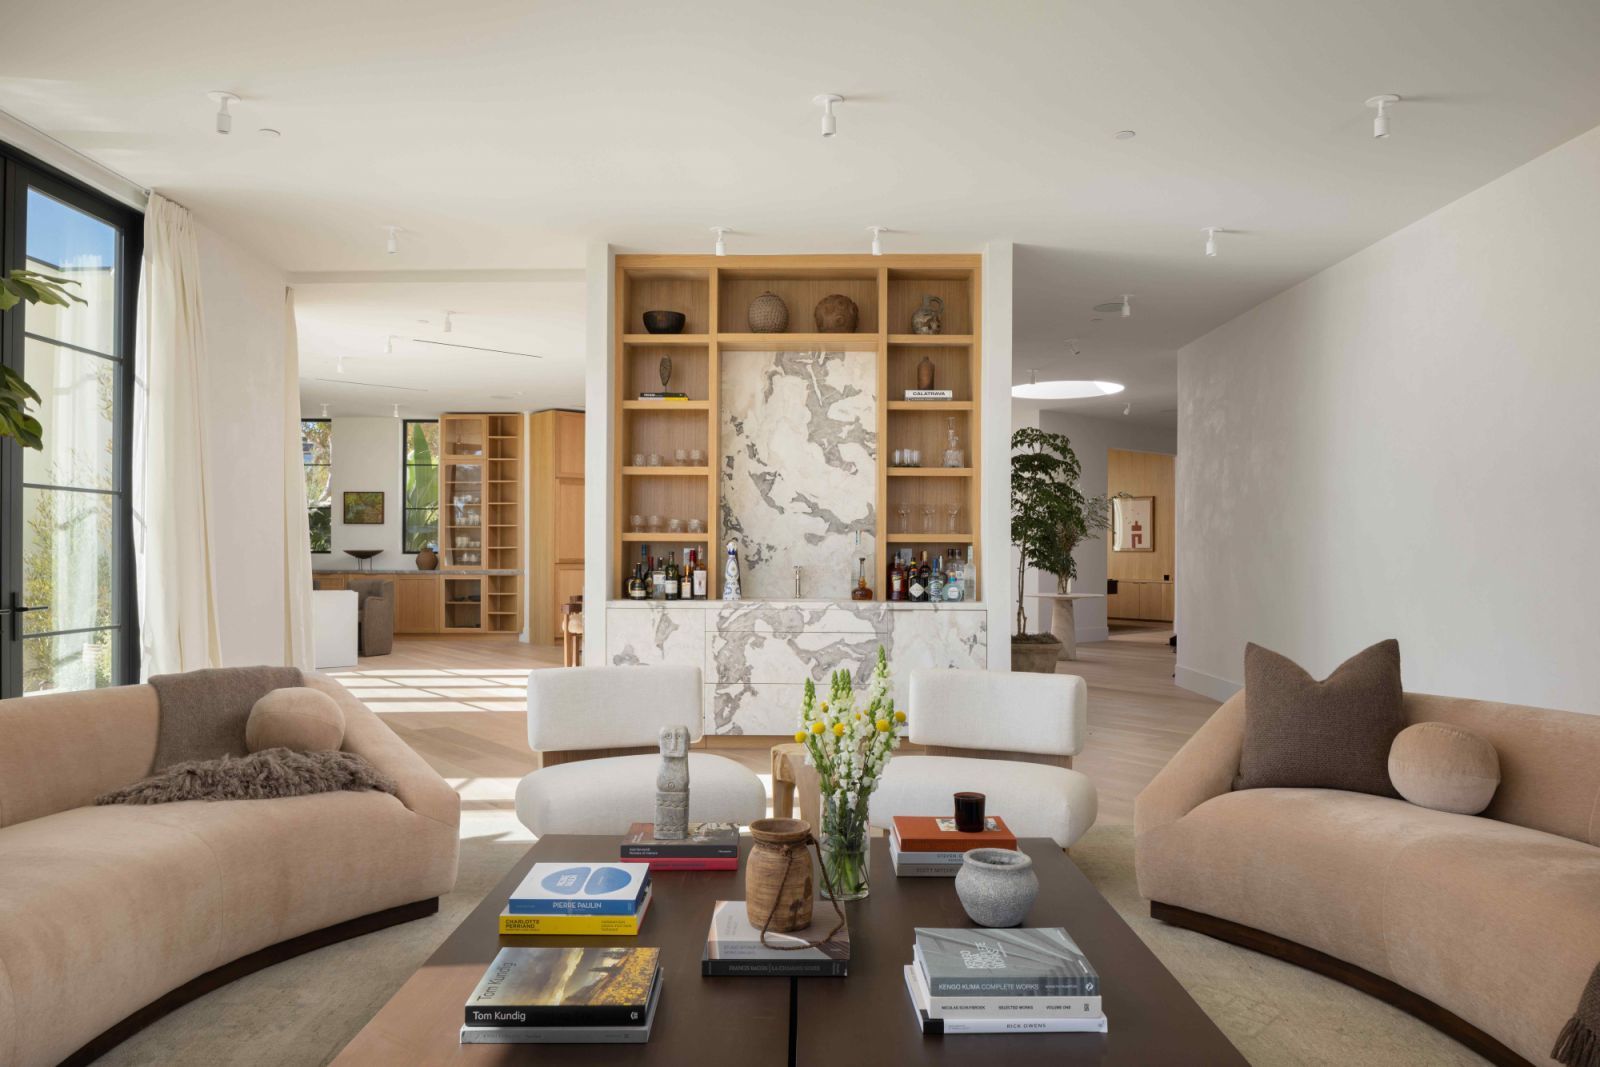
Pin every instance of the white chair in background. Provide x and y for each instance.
(597, 731)
(334, 627)
(1010, 736)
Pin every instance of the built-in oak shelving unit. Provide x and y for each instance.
(480, 521)
(714, 294)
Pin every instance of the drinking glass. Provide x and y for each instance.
(697, 458)
(953, 510)
(675, 526)
(913, 457)
(696, 526)
(681, 457)
(638, 459)
(904, 511)
(653, 460)
(636, 523)
(927, 518)
(899, 458)
(655, 524)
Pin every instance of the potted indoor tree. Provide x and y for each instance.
(15, 393)
(1049, 517)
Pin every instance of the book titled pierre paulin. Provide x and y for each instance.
(581, 889)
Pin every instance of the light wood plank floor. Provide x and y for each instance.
(461, 702)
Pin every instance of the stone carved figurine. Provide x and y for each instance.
(672, 785)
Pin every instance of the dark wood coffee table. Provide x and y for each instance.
(815, 1022)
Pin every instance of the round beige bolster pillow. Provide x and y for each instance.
(1443, 767)
(304, 719)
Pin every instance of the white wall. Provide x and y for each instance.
(366, 458)
(1092, 439)
(243, 305)
(1405, 445)
(997, 574)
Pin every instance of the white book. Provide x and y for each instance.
(1084, 1007)
(1092, 1024)
(944, 859)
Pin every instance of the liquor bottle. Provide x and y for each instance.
(670, 575)
(730, 574)
(635, 588)
(862, 591)
(686, 576)
(936, 581)
(896, 579)
(916, 583)
(952, 583)
(969, 577)
(658, 579)
(924, 574)
(702, 577)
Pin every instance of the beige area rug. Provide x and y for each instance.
(1274, 1012)
(302, 1012)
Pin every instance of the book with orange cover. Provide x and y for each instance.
(930, 833)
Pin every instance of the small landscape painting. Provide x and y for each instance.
(1133, 526)
(363, 509)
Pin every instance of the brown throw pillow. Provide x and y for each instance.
(1332, 734)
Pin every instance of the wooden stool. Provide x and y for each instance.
(790, 775)
(572, 632)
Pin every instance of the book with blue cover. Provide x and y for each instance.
(581, 889)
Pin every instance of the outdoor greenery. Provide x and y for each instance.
(1050, 516)
(15, 394)
(421, 485)
(316, 447)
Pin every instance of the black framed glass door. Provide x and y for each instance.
(67, 599)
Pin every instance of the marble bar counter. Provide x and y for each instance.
(756, 654)
(413, 570)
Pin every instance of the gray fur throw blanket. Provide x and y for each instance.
(1579, 1042)
(264, 775)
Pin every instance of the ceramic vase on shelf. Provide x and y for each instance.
(768, 314)
(929, 318)
(837, 313)
(996, 886)
(925, 373)
(427, 559)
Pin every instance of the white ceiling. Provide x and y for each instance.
(508, 134)
(347, 324)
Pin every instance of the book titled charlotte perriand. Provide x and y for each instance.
(581, 889)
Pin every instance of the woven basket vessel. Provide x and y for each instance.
(768, 314)
(777, 876)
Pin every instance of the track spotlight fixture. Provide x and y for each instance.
(397, 411)
(877, 239)
(1127, 409)
(393, 243)
(1380, 122)
(223, 99)
(1211, 240)
(1127, 308)
(324, 410)
(721, 246)
(826, 102)
(448, 324)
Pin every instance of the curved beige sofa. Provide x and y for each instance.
(1486, 926)
(110, 916)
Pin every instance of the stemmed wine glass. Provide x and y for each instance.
(927, 518)
(904, 511)
(953, 510)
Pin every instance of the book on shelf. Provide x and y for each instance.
(562, 987)
(934, 1025)
(663, 396)
(575, 925)
(734, 948)
(1023, 962)
(930, 394)
(689, 863)
(635, 1034)
(938, 834)
(706, 840)
(581, 889)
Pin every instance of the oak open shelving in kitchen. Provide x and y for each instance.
(714, 294)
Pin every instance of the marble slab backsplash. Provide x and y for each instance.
(798, 453)
(756, 656)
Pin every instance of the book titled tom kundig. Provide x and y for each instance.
(1027, 961)
(565, 987)
(581, 889)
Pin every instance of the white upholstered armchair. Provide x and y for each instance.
(1010, 736)
(596, 730)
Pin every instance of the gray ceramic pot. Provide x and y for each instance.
(996, 886)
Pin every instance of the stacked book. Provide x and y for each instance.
(925, 846)
(976, 981)
(929, 394)
(567, 996)
(709, 846)
(734, 946)
(663, 395)
(608, 899)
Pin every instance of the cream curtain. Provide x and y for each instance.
(178, 628)
(298, 648)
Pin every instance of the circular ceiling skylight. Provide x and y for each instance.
(1068, 389)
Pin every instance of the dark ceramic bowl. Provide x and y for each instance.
(664, 321)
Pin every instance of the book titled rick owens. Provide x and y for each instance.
(581, 889)
(559, 987)
(1037, 962)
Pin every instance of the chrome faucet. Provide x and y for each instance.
(797, 581)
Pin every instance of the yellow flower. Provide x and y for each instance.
(838, 729)
(824, 705)
(799, 735)
(816, 727)
(883, 726)
(899, 716)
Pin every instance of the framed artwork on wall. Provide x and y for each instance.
(363, 509)
(1133, 527)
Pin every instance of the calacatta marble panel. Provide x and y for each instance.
(798, 616)
(654, 635)
(749, 708)
(798, 447)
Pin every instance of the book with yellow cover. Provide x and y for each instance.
(575, 925)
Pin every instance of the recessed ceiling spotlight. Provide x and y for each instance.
(877, 241)
(393, 243)
(397, 411)
(223, 98)
(1125, 135)
(269, 133)
(1380, 122)
(826, 102)
(721, 247)
(1211, 239)
(1127, 409)
(1063, 389)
